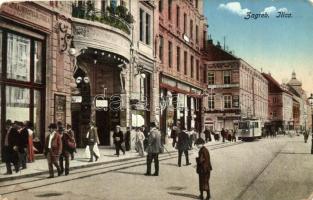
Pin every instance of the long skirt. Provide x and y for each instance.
(204, 181)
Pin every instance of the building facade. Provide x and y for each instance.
(36, 71)
(280, 105)
(181, 31)
(235, 90)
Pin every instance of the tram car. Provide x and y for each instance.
(249, 129)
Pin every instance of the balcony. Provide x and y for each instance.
(117, 17)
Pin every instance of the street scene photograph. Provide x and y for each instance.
(156, 100)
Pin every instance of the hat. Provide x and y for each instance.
(199, 141)
(52, 126)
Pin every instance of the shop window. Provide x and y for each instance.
(227, 101)
(226, 77)
(211, 102)
(18, 58)
(37, 113)
(211, 78)
(17, 103)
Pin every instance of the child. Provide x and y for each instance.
(203, 168)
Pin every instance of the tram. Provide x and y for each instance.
(249, 129)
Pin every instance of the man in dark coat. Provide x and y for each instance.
(204, 168)
(174, 135)
(67, 139)
(118, 139)
(153, 149)
(207, 134)
(53, 149)
(10, 150)
(223, 133)
(127, 139)
(22, 144)
(183, 146)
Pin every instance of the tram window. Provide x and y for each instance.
(256, 125)
(243, 125)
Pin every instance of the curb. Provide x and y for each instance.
(8, 178)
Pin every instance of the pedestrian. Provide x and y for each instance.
(183, 146)
(118, 139)
(92, 140)
(71, 133)
(127, 139)
(207, 134)
(22, 144)
(10, 150)
(234, 135)
(145, 131)
(139, 138)
(53, 149)
(174, 136)
(153, 150)
(306, 136)
(30, 146)
(204, 168)
(69, 145)
(223, 133)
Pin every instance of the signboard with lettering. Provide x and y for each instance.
(60, 108)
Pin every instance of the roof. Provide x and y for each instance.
(215, 53)
(294, 81)
(273, 85)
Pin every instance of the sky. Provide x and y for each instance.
(275, 45)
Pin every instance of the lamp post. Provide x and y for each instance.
(310, 99)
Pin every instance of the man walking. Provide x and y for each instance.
(68, 142)
(174, 135)
(183, 146)
(10, 148)
(53, 149)
(93, 139)
(153, 149)
(118, 138)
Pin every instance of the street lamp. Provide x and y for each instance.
(310, 99)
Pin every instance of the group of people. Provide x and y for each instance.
(18, 145)
(59, 146)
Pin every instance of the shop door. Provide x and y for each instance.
(103, 125)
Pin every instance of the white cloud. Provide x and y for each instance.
(311, 1)
(273, 10)
(234, 7)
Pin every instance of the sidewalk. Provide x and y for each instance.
(40, 166)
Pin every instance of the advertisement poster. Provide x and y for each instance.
(156, 99)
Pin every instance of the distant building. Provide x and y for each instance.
(280, 104)
(235, 89)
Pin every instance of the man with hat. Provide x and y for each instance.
(53, 149)
(92, 138)
(10, 150)
(118, 138)
(153, 149)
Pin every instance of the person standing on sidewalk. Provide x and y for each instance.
(174, 135)
(183, 146)
(127, 139)
(139, 138)
(71, 133)
(22, 144)
(69, 146)
(53, 149)
(10, 147)
(223, 133)
(207, 134)
(118, 139)
(204, 168)
(30, 146)
(153, 149)
(92, 140)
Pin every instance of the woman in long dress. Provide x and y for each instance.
(30, 146)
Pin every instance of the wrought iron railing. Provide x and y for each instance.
(108, 17)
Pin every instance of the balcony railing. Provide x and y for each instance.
(116, 17)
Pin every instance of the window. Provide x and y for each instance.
(197, 69)
(38, 62)
(191, 66)
(185, 62)
(205, 74)
(197, 3)
(191, 29)
(211, 80)
(169, 9)
(178, 59)
(177, 16)
(227, 101)
(185, 22)
(148, 22)
(160, 6)
(161, 48)
(141, 21)
(197, 34)
(211, 102)
(226, 77)
(170, 54)
(18, 58)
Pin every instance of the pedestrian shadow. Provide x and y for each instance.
(170, 164)
(129, 173)
(82, 159)
(52, 194)
(110, 155)
(175, 188)
(191, 196)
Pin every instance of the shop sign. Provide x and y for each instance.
(27, 13)
(60, 108)
(101, 103)
(77, 99)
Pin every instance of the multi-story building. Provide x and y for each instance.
(36, 69)
(280, 105)
(235, 89)
(181, 36)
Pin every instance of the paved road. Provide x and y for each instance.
(269, 169)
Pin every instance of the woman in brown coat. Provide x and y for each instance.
(204, 168)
